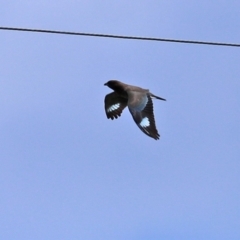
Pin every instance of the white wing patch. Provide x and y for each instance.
(113, 107)
(145, 122)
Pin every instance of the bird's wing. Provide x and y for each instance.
(141, 107)
(114, 105)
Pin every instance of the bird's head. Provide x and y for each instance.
(113, 84)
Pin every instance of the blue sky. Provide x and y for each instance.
(67, 172)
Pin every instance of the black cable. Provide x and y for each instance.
(122, 37)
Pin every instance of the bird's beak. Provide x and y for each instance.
(105, 84)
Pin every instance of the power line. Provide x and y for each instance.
(121, 37)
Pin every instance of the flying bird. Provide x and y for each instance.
(139, 102)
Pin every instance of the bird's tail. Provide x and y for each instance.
(154, 96)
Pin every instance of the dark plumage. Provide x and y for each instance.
(139, 102)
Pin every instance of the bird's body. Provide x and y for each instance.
(139, 102)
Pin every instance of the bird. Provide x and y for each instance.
(139, 102)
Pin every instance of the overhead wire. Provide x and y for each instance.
(121, 37)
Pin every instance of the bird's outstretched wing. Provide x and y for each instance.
(141, 107)
(114, 105)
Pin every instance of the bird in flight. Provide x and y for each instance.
(139, 102)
